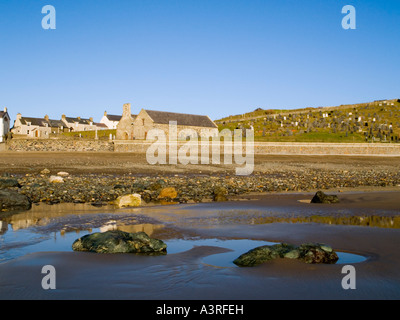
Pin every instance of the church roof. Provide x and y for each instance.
(182, 119)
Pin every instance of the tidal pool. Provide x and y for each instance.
(24, 241)
(238, 247)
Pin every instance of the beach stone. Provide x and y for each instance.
(321, 197)
(129, 200)
(116, 241)
(169, 192)
(63, 173)
(45, 171)
(9, 183)
(56, 179)
(220, 194)
(309, 253)
(11, 200)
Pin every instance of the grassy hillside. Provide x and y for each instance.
(377, 121)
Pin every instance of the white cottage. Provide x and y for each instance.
(4, 124)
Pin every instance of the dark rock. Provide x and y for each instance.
(9, 183)
(308, 253)
(119, 242)
(321, 197)
(11, 200)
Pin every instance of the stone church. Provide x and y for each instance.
(129, 128)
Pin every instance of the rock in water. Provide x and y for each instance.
(11, 200)
(321, 197)
(262, 254)
(117, 241)
(129, 200)
(308, 253)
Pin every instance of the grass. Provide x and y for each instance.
(90, 135)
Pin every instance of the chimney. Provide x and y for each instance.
(63, 117)
(5, 109)
(105, 113)
(19, 115)
(126, 110)
(91, 119)
(46, 117)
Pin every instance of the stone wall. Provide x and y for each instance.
(288, 148)
(137, 146)
(59, 145)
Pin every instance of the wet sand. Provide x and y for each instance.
(184, 276)
(124, 163)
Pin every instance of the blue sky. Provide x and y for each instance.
(214, 57)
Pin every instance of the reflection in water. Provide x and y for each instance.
(368, 221)
(259, 217)
(145, 227)
(16, 243)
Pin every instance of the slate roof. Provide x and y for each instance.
(182, 119)
(113, 117)
(79, 120)
(41, 122)
(3, 114)
(56, 123)
(101, 125)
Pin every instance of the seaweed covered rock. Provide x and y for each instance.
(308, 253)
(262, 254)
(321, 197)
(117, 241)
(317, 253)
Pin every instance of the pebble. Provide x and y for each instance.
(106, 188)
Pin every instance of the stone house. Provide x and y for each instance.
(57, 126)
(31, 127)
(129, 128)
(4, 124)
(78, 123)
(149, 119)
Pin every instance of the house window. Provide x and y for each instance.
(28, 124)
(27, 131)
(143, 121)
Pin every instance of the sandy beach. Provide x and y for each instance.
(365, 223)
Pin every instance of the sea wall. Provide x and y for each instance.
(283, 148)
(38, 145)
